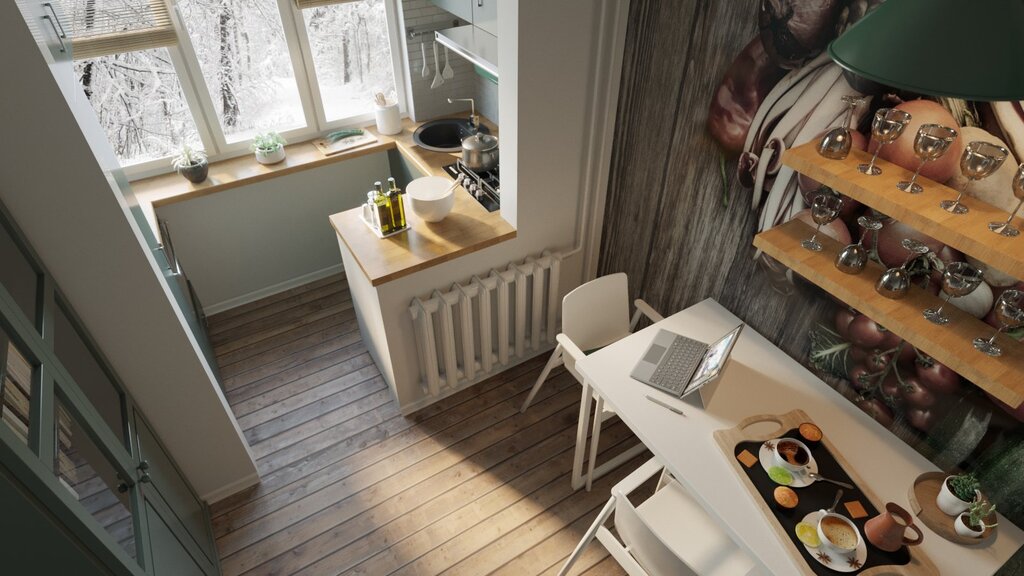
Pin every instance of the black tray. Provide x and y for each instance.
(817, 496)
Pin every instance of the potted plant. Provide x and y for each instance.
(971, 524)
(269, 147)
(957, 493)
(192, 164)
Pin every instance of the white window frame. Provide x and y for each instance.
(204, 112)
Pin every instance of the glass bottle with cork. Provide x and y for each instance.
(383, 207)
(396, 198)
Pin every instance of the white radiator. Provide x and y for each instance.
(477, 329)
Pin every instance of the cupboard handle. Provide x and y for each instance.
(143, 465)
(62, 34)
(59, 37)
(479, 3)
(122, 487)
(144, 478)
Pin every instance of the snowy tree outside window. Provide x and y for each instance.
(243, 53)
(139, 103)
(351, 54)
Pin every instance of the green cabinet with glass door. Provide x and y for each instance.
(72, 438)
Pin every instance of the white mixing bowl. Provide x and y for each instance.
(432, 197)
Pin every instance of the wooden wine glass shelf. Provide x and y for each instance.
(967, 233)
(1003, 377)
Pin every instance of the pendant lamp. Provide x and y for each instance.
(970, 49)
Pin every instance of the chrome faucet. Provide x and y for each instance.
(474, 120)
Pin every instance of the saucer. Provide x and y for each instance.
(766, 456)
(840, 563)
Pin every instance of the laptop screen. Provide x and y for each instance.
(714, 360)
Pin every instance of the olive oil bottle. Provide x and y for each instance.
(397, 199)
(380, 200)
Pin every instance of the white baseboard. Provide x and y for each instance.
(233, 488)
(271, 290)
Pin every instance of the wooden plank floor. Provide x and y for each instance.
(350, 486)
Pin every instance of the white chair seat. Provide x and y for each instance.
(693, 536)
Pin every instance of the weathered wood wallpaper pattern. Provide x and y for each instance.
(671, 224)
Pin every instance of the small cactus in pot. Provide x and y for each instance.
(193, 165)
(971, 524)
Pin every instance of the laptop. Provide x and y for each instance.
(680, 365)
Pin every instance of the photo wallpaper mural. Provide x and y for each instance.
(713, 94)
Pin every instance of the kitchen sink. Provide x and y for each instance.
(445, 134)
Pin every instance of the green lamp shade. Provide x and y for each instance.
(958, 48)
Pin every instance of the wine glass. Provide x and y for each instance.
(836, 143)
(854, 257)
(824, 209)
(1007, 228)
(980, 160)
(894, 283)
(959, 279)
(1010, 313)
(931, 143)
(886, 127)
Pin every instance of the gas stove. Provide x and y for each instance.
(484, 186)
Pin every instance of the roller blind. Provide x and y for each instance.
(104, 27)
(303, 4)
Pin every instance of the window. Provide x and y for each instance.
(211, 74)
(139, 103)
(351, 54)
(243, 53)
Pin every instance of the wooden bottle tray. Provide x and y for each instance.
(740, 442)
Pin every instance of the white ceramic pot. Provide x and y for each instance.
(432, 197)
(948, 502)
(270, 157)
(388, 120)
(961, 527)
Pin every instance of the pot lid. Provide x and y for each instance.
(479, 142)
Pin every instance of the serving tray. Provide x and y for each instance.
(922, 503)
(740, 442)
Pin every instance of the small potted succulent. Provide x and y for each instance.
(971, 524)
(269, 147)
(192, 164)
(957, 493)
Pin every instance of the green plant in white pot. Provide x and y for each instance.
(191, 164)
(269, 147)
(971, 524)
(957, 493)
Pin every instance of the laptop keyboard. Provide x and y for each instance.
(677, 365)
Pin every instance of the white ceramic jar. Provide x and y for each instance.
(270, 156)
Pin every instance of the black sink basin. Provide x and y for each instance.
(445, 134)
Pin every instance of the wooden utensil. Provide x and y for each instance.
(922, 503)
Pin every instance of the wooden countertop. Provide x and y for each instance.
(467, 229)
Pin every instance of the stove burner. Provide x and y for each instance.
(484, 186)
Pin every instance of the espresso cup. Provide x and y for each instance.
(798, 452)
(838, 533)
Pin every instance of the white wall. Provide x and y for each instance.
(77, 221)
(244, 243)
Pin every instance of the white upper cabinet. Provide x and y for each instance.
(485, 15)
(481, 13)
(461, 8)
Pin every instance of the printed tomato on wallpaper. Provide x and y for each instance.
(781, 91)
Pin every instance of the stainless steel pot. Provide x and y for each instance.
(480, 152)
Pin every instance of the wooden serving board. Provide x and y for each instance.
(331, 148)
(922, 503)
(728, 440)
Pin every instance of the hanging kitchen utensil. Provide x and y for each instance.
(448, 73)
(438, 80)
(423, 52)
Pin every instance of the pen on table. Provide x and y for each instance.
(665, 405)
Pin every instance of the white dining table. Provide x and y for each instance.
(762, 379)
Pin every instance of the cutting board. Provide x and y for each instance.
(730, 442)
(329, 149)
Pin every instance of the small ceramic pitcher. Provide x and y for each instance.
(887, 531)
